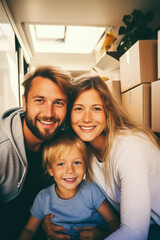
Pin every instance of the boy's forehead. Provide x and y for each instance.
(71, 151)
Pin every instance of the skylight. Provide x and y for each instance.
(49, 32)
(64, 39)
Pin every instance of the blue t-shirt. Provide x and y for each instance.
(79, 211)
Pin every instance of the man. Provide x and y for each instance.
(22, 134)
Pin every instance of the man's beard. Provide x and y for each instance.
(35, 130)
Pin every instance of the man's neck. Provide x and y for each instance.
(31, 141)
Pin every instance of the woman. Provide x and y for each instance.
(127, 158)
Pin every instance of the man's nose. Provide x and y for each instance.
(49, 110)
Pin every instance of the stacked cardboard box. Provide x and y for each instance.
(138, 68)
(159, 54)
(137, 103)
(115, 89)
(155, 106)
(155, 97)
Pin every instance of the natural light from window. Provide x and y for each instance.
(65, 39)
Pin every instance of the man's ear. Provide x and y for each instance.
(50, 171)
(24, 102)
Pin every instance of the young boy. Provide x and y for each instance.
(74, 202)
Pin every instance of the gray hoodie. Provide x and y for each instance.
(13, 161)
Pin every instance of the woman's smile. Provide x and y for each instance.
(88, 116)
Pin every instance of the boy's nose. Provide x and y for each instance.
(69, 169)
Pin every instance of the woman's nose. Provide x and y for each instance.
(87, 116)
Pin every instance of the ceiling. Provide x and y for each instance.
(74, 12)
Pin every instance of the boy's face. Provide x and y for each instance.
(68, 172)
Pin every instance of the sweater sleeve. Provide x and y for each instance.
(131, 174)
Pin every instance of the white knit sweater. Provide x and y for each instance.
(133, 185)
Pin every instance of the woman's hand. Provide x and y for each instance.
(92, 233)
(53, 230)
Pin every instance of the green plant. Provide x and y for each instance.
(136, 29)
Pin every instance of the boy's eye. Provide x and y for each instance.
(77, 162)
(60, 164)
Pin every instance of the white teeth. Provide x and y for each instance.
(87, 128)
(69, 179)
(45, 122)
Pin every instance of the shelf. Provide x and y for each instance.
(107, 62)
(115, 54)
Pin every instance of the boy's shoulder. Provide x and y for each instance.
(92, 194)
(46, 191)
(89, 186)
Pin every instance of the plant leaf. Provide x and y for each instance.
(122, 30)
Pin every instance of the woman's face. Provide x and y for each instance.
(88, 115)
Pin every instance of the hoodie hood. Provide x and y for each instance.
(13, 159)
(11, 122)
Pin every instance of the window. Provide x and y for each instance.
(64, 39)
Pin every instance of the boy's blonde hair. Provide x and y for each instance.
(63, 144)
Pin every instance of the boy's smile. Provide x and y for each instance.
(68, 172)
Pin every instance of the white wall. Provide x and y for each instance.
(9, 90)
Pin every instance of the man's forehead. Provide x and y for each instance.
(43, 86)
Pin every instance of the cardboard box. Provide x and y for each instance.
(137, 102)
(139, 64)
(155, 105)
(115, 89)
(159, 54)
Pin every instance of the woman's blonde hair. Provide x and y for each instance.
(117, 121)
(63, 144)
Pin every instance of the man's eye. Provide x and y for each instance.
(39, 100)
(60, 104)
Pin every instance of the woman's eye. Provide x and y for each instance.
(78, 109)
(97, 109)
